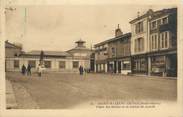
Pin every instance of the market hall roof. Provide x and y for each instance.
(11, 45)
(79, 47)
(47, 53)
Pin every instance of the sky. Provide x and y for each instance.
(57, 27)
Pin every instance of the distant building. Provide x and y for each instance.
(12, 50)
(113, 55)
(56, 61)
(101, 55)
(119, 60)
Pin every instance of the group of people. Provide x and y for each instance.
(26, 70)
(83, 70)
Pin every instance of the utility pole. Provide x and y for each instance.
(24, 23)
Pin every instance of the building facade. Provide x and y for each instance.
(139, 43)
(113, 55)
(54, 61)
(119, 60)
(12, 50)
(163, 43)
(150, 48)
(101, 55)
(154, 43)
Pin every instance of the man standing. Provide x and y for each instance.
(39, 70)
(81, 70)
(23, 69)
(29, 69)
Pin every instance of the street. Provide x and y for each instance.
(64, 91)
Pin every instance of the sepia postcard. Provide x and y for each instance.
(91, 58)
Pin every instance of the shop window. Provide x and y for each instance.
(47, 64)
(140, 65)
(16, 63)
(126, 66)
(143, 65)
(62, 64)
(75, 64)
(32, 63)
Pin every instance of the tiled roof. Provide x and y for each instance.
(113, 39)
(10, 45)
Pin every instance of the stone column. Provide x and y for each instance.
(149, 66)
(117, 67)
(105, 67)
(95, 68)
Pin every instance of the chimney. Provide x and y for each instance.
(118, 32)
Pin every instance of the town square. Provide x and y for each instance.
(68, 91)
(53, 61)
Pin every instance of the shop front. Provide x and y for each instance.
(124, 66)
(139, 64)
(101, 66)
(164, 65)
(111, 66)
(158, 65)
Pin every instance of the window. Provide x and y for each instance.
(159, 22)
(153, 25)
(165, 20)
(47, 64)
(154, 42)
(126, 66)
(140, 64)
(164, 38)
(62, 64)
(32, 63)
(139, 27)
(75, 64)
(139, 45)
(16, 63)
(113, 51)
(15, 54)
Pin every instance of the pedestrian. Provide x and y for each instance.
(29, 69)
(81, 70)
(39, 70)
(85, 70)
(23, 69)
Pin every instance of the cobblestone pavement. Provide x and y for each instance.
(59, 90)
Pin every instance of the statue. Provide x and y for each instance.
(41, 57)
